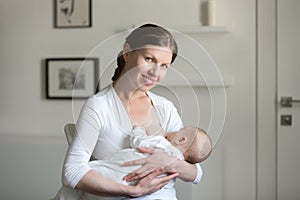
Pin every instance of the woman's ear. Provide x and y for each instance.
(126, 50)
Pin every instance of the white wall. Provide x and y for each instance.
(31, 126)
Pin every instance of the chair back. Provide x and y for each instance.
(70, 131)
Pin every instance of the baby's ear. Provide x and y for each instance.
(180, 140)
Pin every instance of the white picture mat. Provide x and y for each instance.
(81, 68)
(73, 13)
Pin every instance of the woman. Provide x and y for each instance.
(108, 117)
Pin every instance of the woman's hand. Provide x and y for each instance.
(93, 182)
(151, 183)
(156, 160)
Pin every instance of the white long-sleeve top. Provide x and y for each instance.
(103, 128)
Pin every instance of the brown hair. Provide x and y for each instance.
(147, 34)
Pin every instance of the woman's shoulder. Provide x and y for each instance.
(103, 93)
(101, 98)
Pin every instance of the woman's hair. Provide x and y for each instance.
(147, 34)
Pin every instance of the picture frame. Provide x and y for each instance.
(71, 78)
(72, 14)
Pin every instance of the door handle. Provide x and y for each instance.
(288, 101)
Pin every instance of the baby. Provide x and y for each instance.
(189, 143)
(193, 143)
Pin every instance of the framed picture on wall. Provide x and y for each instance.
(71, 78)
(72, 14)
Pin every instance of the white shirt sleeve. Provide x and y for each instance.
(199, 174)
(82, 145)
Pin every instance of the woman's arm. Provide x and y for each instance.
(187, 172)
(157, 159)
(95, 183)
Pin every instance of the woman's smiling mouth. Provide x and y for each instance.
(147, 80)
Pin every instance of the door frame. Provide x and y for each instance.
(266, 99)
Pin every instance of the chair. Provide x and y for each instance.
(70, 131)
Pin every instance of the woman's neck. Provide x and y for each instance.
(127, 93)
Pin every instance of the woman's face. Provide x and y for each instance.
(147, 66)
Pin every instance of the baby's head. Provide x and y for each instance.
(193, 142)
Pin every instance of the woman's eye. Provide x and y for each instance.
(164, 66)
(149, 59)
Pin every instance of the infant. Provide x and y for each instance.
(191, 144)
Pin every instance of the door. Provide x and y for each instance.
(288, 39)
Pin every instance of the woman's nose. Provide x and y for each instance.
(155, 70)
